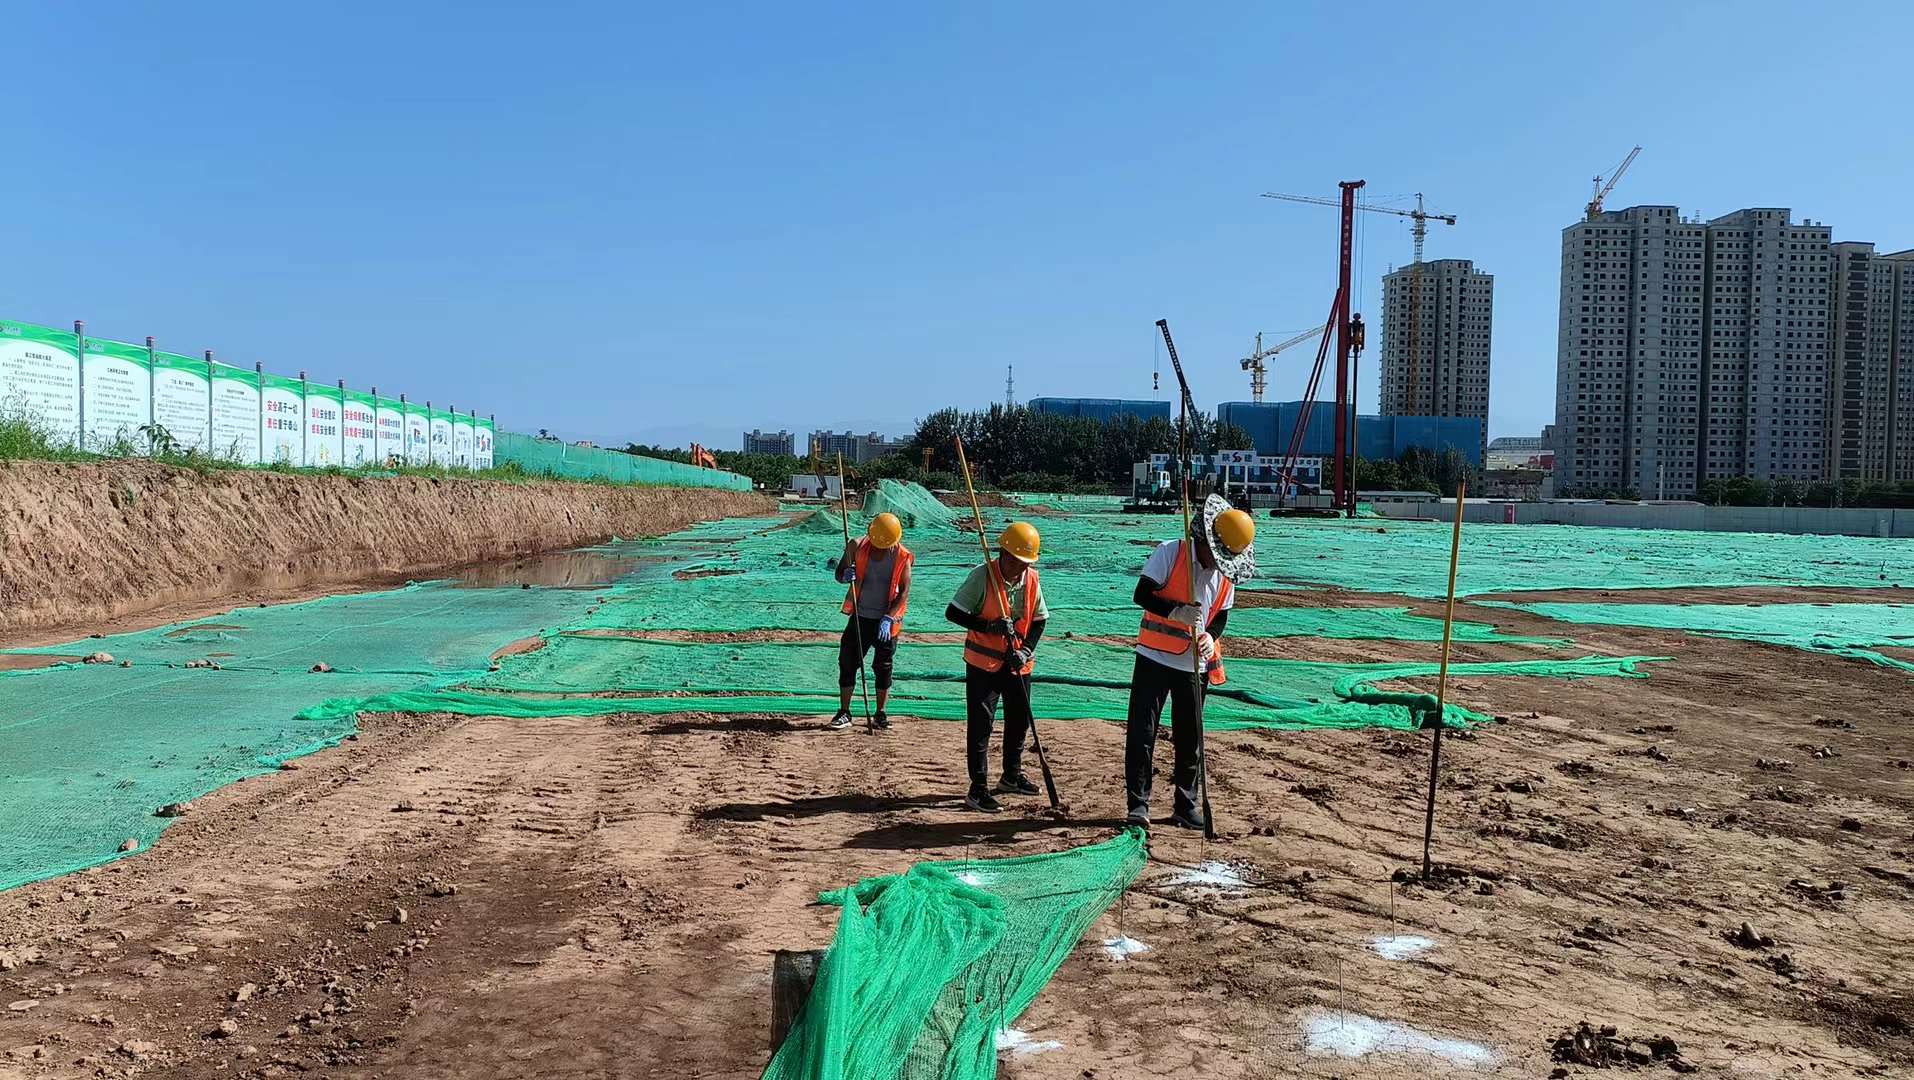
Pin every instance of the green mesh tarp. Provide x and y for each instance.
(928, 966)
(915, 507)
(1854, 631)
(550, 457)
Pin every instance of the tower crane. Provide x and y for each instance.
(1602, 190)
(1258, 372)
(1419, 230)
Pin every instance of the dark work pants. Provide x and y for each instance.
(849, 660)
(1150, 683)
(982, 690)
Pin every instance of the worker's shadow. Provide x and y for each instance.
(850, 803)
(911, 836)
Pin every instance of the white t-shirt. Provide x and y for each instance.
(1158, 568)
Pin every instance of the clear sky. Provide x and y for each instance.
(669, 222)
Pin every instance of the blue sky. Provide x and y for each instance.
(665, 223)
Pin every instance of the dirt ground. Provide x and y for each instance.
(454, 897)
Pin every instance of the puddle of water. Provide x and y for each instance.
(1020, 1044)
(1119, 948)
(1401, 946)
(31, 661)
(585, 569)
(1353, 1035)
(1217, 875)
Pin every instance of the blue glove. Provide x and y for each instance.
(886, 626)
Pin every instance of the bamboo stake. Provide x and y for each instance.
(1442, 678)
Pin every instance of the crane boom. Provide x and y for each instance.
(1258, 371)
(1602, 190)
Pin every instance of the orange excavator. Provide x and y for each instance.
(702, 457)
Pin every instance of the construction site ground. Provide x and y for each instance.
(444, 896)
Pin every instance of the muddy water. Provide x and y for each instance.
(586, 568)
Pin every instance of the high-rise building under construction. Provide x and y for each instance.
(1690, 351)
(1437, 318)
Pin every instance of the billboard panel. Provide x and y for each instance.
(236, 414)
(323, 425)
(483, 439)
(183, 400)
(418, 435)
(119, 395)
(461, 441)
(40, 378)
(361, 430)
(441, 438)
(284, 405)
(390, 429)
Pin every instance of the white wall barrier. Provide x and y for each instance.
(113, 397)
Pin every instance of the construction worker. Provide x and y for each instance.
(877, 569)
(1223, 539)
(1005, 614)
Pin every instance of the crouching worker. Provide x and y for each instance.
(1001, 605)
(877, 569)
(1182, 621)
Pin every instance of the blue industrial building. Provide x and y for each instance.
(1377, 437)
(1103, 409)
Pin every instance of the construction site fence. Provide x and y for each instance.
(549, 457)
(113, 397)
(1681, 517)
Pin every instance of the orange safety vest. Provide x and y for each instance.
(990, 652)
(900, 562)
(1163, 635)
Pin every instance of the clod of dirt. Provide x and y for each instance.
(321, 668)
(209, 664)
(225, 1030)
(245, 992)
(404, 807)
(129, 844)
(8, 961)
(1826, 752)
(1773, 764)
(174, 809)
(400, 916)
(1748, 937)
(288, 766)
(1656, 753)
(1833, 890)
(1850, 824)
(1782, 964)
(1606, 1048)
(97, 658)
(1575, 768)
(126, 663)
(138, 1049)
(1316, 793)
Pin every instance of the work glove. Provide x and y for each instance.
(1206, 647)
(886, 626)
(1186, 614)
(1018, 658)
(1002, 627)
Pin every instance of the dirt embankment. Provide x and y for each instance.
(85, 543)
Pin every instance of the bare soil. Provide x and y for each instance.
(455, 897)
(90, 547)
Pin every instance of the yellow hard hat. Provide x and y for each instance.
(885, 531)
(1021, 540)
(1236, 529)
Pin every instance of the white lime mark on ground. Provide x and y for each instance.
(1021, 1044)
(1118, 948)
(1401, 946)
(1214, 874)
(1352, 1035)
(971, 877)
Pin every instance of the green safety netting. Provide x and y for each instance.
(915, 507)
(929, 966)
(1076, 504)
(552, 457)
(1848, 630)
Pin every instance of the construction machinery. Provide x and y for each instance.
(1602, 189)
(1258, 370)
(702, 458)
(1419, 230)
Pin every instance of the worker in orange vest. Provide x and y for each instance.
(1181, 625)
(877, 568)
(997, 659)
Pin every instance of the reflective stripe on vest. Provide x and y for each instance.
(1163, 634)
(901, 559)
(989, 652)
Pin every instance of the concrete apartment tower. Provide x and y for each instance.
(1870, 404)
(1690, 351)
(1445, 372)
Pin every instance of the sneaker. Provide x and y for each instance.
(1016, 785)
(1138, 815)
(1188, 821)
(842, 721)
(981, 802)
(881, 722)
